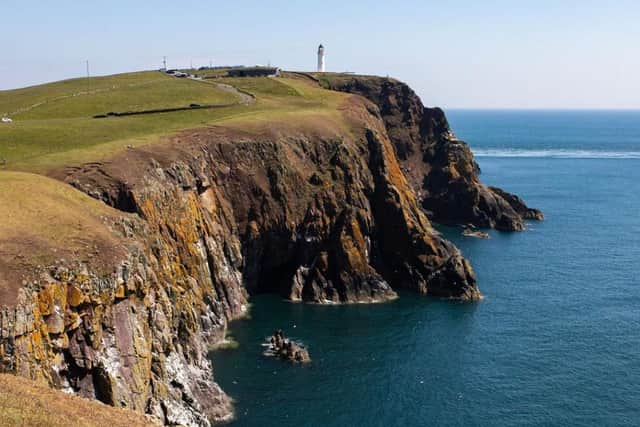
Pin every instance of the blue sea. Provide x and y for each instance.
(556, 341)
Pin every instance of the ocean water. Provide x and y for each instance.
(556, 341)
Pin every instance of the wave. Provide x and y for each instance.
(556, 153)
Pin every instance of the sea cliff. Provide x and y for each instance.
(330, 209)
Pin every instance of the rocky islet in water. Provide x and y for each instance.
(286, 349)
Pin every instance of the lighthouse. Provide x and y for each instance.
(321, 59)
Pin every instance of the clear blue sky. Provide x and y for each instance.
(466, 53)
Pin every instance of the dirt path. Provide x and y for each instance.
(245, 97)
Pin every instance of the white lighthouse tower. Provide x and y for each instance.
(321, 59)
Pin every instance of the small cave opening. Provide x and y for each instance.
(124, 200)
(102, 386)
(275, 279)
(270, 265)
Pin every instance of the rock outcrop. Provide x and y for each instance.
(284, 348)
(439, 166)
(309, 210)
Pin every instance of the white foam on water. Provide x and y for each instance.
(556, 153)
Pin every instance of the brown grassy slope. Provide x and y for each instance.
(43, 221)
(26, 403)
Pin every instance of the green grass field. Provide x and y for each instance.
(53, 124)
(84, 98)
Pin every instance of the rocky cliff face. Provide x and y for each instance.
(320, 215)
(312, 212)
(138, 338)
(439, 166)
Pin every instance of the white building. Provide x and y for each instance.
(321, 59)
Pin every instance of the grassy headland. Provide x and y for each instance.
(53, 127)
(45, 220)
